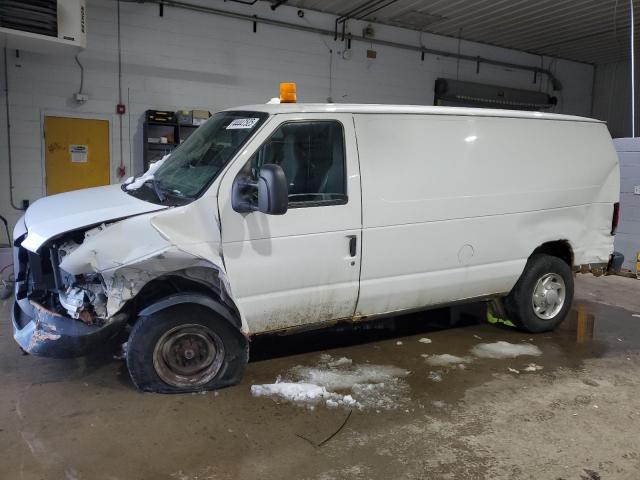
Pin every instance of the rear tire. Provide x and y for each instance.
(542, 297)
(185, 348)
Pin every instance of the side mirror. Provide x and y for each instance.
(273, 191)
(269, 194)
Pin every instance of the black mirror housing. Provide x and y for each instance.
(273, 190)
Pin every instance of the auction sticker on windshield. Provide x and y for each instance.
(242, 123)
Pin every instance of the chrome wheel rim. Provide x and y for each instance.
(549, 296)
(188, 356)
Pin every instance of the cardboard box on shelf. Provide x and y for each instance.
(200, 116)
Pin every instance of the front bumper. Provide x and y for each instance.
(49, 334)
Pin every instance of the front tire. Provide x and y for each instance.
(185, 348)
(542, 297)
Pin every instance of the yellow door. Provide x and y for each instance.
(76, 153)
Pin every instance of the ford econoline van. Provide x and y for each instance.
(280, 216)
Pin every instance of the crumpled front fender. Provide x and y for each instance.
(129, 254)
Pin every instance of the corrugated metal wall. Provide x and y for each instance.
(612, 98)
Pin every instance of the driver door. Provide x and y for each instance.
(302, 267)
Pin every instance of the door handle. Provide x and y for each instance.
(353, 243)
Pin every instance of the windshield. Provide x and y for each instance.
(197, 162)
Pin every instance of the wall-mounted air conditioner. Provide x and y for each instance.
(43, 26)
(72, 21)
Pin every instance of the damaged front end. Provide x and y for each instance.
(80, 289)
(57, 314)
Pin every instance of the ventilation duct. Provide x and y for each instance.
(34, 16)
(456, 93)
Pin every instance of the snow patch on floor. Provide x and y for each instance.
(307, 393)
(339, 362)
(504, 349)
(446, 359)
(532, 367)
(340, 382)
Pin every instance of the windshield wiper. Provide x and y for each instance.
(156, 189)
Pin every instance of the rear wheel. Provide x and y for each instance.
(542, 297)
(185, 348)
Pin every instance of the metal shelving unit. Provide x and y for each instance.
(154, 151)
(153, 131)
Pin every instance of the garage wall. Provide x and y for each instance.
(628, 236)
(191, 60)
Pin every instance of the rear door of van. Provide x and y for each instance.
(302, 267)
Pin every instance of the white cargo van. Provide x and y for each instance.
(274, 217)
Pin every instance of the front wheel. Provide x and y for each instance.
(542, 297)
(185, 348)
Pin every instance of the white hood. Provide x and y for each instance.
(57, 214)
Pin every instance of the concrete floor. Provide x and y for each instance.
(578, 418)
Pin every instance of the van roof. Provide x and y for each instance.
(274, 108)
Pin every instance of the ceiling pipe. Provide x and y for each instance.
(371, 12)
(373, 7)
(556, 84)
(355, 11)
(633, 75)
(277, 4)
(243, 2)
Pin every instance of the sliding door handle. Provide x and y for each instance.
(353, 245)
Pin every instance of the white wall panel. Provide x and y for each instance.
(194, 60)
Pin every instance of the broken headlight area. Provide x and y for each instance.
(82, 297)
(86, 300)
